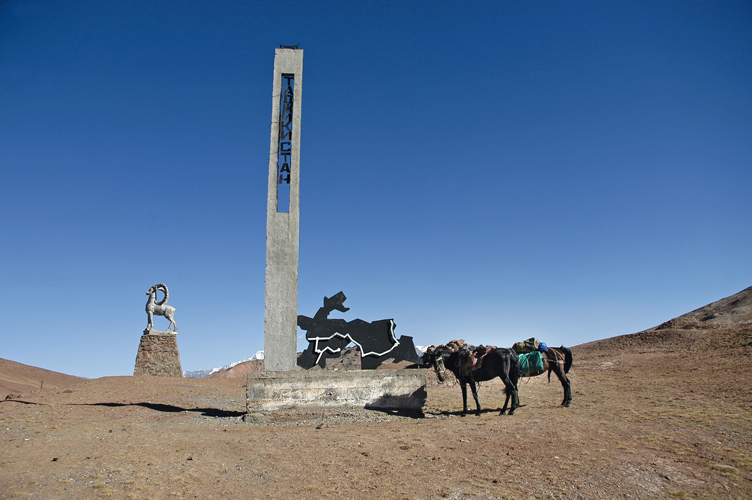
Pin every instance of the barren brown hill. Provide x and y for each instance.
(663, 413)
(724, 324)
(731, 310)
(18, 378)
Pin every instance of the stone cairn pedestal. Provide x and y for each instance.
(158, 355)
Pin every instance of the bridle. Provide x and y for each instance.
(438, 366)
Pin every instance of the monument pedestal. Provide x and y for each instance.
(158, 355)
(372, 389)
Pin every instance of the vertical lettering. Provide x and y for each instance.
(284, 149)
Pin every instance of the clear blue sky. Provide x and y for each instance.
(480, 170)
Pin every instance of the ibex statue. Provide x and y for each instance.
(159, 308)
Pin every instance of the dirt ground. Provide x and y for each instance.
(659, 414)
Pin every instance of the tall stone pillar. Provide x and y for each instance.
(282, 214)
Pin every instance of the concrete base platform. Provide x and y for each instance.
(377, 389)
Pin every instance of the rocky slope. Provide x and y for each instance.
(732, 310)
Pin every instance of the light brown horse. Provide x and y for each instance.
(559, 361)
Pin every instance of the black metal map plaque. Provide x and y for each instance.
(375, 340)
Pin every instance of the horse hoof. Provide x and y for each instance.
(567, 404)
(511, 412)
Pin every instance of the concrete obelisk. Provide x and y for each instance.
(283, 215)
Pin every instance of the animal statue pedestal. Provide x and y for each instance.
(158, 355)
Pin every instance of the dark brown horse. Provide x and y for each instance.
(500, 363)
(559, 361)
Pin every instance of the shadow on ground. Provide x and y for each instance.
(415, 414)
(207, 412)
(473, 412)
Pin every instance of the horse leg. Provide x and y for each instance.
(463, 385)
(475, 396)
(511, 389)
(565, 384)
(506, 402)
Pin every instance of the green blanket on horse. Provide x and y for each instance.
(531, 364)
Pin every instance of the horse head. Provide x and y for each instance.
(435, 358)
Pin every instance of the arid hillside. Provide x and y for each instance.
(663, 413)
(18, 378)
(732, 310)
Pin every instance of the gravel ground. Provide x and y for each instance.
(658, 414)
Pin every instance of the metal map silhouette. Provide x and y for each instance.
(375, 341)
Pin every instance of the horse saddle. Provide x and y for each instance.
(471, 359)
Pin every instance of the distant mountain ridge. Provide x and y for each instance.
(733, 310)
(723, 324)
(205, 373)
(197, 373)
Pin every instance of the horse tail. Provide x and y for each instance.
(567, 359)
(551, 355)
(514, 368)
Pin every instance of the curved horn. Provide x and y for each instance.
(163, 287)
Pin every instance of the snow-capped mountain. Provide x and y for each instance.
(204, 373)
